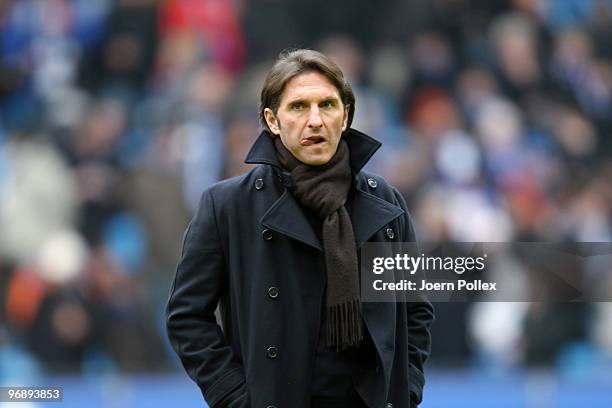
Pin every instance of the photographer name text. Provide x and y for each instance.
(424, 285)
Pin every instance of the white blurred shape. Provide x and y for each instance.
(62, 257)
(496, 327)
(471, 217)
(602, 327)
(38, 198)
(458, 157)
(498, 124)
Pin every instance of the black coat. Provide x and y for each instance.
(251, 249)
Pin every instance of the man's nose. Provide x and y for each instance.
(314, 119)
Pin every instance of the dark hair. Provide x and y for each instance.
(291, 63)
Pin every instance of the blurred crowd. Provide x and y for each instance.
(495, 118)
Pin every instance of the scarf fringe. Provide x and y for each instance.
(344, 325)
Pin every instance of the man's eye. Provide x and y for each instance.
(327, 104)
(297, 106)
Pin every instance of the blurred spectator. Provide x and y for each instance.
(124, 59)
(212, 23)
(39, 197)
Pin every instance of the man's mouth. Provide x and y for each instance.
(312, 140)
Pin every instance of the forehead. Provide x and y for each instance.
(309, 85)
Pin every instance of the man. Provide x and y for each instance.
(277, 249)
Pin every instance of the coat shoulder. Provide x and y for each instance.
(377, 185)
(234, 187)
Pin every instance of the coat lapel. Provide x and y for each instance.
(370, 214)
(286, 216)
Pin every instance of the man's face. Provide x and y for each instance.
(310, 118)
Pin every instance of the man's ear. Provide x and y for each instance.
(347, 108)
(272, 121)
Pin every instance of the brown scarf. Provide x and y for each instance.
(323, 189)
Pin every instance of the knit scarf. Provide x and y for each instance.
(324, 189)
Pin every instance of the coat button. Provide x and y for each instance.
(389, 405)
(390, 233)
(271, 406)
(273, 292)
(259, 184)
(372, 183)
(272, 352)
(267, 234)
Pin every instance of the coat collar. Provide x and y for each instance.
(369, 213)
(361, 147)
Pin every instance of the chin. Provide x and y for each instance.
(317, 162)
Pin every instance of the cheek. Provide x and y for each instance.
(293, 128)
(337, 118)
(287, 121)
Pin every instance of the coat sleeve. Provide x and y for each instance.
(420, 317)
(201, 277)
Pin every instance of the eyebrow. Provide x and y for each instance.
(330, 98)
(334, 100)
